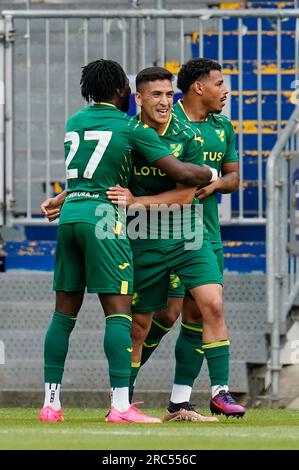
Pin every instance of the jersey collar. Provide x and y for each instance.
(166, 125)
(106, 104)
(182, 108)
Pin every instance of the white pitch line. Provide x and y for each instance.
(228, 433)
(139, 433)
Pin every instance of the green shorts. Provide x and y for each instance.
(82, 260)
(177, 288)
(152, 270)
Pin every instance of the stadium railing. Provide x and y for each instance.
(39, 90)
(44, 50)
(282, 238)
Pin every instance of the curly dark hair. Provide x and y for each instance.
(100, 80)
(193, 70)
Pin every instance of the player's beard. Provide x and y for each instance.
(217, 110)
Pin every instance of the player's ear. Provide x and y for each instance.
(138, 98)
(197, 87)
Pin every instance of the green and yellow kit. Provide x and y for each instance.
(218, 138)
(156, 256)
(92, 247)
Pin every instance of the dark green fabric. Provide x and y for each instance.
(218, 364)
(118, 349)
(56, 346)
(188, 354)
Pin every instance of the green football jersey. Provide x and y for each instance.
(218, 147)
(184, 143)
(99, 144)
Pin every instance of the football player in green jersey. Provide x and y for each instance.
(92, 250)
(153, 259)
(204, 97)
(201, 82)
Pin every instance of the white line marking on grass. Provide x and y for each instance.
(273, 433)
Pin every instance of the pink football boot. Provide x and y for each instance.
(132, 415)
(48, 415)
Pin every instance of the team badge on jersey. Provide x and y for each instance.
(176, 149)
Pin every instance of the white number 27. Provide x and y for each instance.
(103, 138)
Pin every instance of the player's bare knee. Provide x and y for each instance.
(214, 310)
(169, 315)
(216, 307)
(68, 303)
(172, 318)
(138, 333)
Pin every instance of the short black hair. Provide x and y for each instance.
(151, 74)
(193, 70)
(100, 80)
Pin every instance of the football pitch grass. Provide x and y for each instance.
(86, 429)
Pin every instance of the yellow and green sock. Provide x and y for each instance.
(188, 354)
(217, 355)
(157, 332)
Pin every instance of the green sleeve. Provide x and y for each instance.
(147, 143)
(231, 152)
(68, 125)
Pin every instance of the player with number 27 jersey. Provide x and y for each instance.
(98, 145)
(98, 150)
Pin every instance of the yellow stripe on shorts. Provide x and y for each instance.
(124, 287)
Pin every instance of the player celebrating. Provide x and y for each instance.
(201, 81)
(153, 259)
(99, 143)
